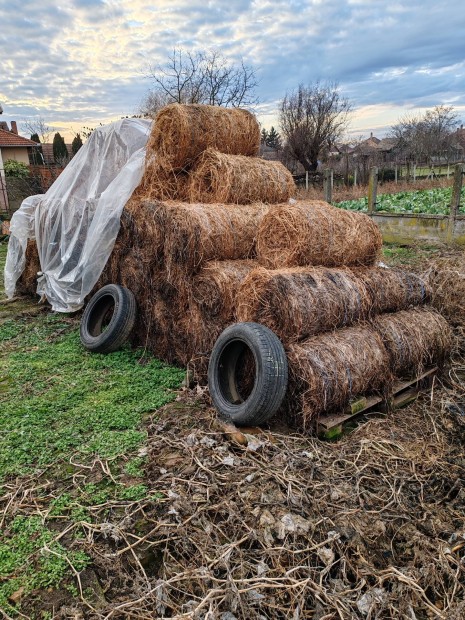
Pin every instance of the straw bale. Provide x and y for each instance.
(327, 371)
(181, 132)
(196, 233)
(218, 177)
(391, 290)
(446, 276)
(316, 233)
(216, 286)
(159, 183)
(199, 334)
(414, 339)
(27, 283)
(299, 302)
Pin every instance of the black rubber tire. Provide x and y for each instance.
(110, 298)
(271, 372)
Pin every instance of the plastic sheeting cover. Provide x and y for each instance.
(75, 224)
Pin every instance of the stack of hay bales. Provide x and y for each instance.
(191, 227)
(212, 236)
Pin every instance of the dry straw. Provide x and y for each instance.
(215, 287)
(182, 132)
(414, 339)
(159, 183)
(392, 289)
(27, 283)
(218, 177)
(299, 302)
(303, 301)
(328, 370)
(196, 233)
(315, 233)
(446, 277)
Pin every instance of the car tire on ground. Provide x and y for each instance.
(247, 374)
(108, 319)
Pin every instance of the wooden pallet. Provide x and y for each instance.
(402, 394)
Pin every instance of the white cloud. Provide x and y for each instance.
(83, 61)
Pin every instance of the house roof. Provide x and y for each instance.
(387, 144)
(47, 152)
(10, 139)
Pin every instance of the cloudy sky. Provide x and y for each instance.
(76, 63)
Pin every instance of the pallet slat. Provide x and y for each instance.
(331, 425)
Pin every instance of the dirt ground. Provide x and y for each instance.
(270, 524)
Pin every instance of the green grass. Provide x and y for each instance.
(58, 399)
(67, 416)
(430, 201)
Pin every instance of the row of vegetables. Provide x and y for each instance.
(431, 201)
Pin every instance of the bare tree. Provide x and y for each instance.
(200, 77)
(312, 119)
(37, 126)
(423, 137)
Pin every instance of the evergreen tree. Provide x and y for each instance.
(60, 152)
(37, 156)
(76, 144)
(264, 136)
(274, 139)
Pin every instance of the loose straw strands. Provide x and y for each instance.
(315, 233)
(222, 178)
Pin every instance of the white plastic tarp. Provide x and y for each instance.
(75, 224)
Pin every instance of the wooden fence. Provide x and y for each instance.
(409, 227)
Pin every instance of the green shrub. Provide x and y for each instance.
(15, 169)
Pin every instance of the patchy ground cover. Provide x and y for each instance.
(72, 436)
(116, 503)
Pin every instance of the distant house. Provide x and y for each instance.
(14, 146)
(49, 159)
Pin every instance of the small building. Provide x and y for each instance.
(13, 146)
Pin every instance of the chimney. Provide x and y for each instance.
(14, 128)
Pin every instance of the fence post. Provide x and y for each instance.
(328, 184)
(372, 189)
(355, 177)
(456, 191)
(306, 180)
(395, 173)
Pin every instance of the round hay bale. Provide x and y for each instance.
(414, 339)
(327, 371)
(181, 132)
(391, 290)
(316, 233)
(197, 233)
(446, 276)
(216, 286)
(218, 177)
(300, 302)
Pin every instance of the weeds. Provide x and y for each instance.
(71, 430)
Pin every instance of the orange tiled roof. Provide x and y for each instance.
(10, 139)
